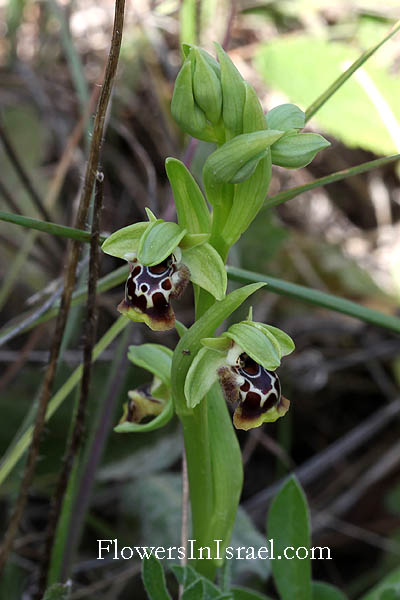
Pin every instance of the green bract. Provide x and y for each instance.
(296, 150)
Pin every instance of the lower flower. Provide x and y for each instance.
(141, 405)
(256, 389)
(149, 291)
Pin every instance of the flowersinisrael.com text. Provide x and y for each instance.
(111, 548)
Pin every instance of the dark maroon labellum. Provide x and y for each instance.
(149, 290)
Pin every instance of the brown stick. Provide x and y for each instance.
(69, 281)
(75, 443)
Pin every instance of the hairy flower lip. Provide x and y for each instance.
(149, 290)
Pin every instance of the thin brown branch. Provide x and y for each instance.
(69, 282)
(75, 443)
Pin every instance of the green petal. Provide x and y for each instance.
(201, 375)
(284, 340)
(125, 241)
(158, 242)
(154, 358)
(296, 150)
(191, 207)
(220, 343)
(262, 348)
(286, 116)
(206, 269)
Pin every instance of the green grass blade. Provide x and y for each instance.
(46, 227)
(338, 176)
(20, 447)
(336, 85)
(329, 301)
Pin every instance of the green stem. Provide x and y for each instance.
(300, 292)
(338, 176)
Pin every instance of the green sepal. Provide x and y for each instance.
(155, 358)
(206, 269)
(191, 207)
(285, 117)
(206, 88)
(186, 48)
(237, 159)
(204, 327)
(159, 241)
(221, 344)
(296, 150)
(202, 375)
(253, 114)
(233, 94)
(260, 346)
(191, 240)
(125, 241)
(159, 421)
(284, 340)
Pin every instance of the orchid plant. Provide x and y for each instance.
(206, 374)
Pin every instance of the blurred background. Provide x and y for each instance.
(342, 431)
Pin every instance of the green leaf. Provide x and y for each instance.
(154, 579)
(288, 525)
(125, 241)
(58, 591)
(191, 341)
(206, 269)
(284, 340)
(191, 207)
(187, 576)
(159, 241)
(207, 88)
(296, 150)
(233, 93)
(285, 117)
(249, 195)
(291, 64)
(195, 591)
(325, 591)
(235, 160)
(202, 375)
(261, 346)
(154, 358)
(388, 585)
(241, 593)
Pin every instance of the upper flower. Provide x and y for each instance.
(162, 257)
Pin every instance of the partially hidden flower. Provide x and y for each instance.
(162, 258)
(244, 360)
(150, 405)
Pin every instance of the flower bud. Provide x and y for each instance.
(207, 88)
(296, 150)
(233, 94)
(141, 405)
